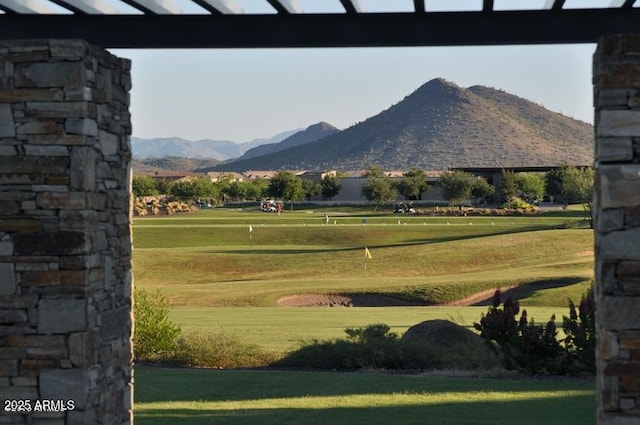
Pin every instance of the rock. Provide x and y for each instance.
(441, 344)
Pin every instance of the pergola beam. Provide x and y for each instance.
(286, 6)
(327, 30)
(87, 6)
(554, 4)
(24, 6)
(160, 7)
(352, 6)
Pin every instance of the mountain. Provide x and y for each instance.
(310, 134)
(205, 148)
(178, 147)
(442, 125)
(170, 163)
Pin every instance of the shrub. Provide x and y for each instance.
(580, 331)
(523, 344)
(218, 350)
(154, 334)
(375, 347)
(532, 348)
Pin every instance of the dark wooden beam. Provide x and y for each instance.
(557, 5)
(327, 30)
(138, 6)
(418, 6)
(68, 6)
(348, 6)
(207, 6)
(487, 5)
(278, 6)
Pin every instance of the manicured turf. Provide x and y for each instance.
(223, 278)
(282, 329)
(432, 263)
(208, 260)
(199, 397)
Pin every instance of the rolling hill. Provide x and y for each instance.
(442, 125)
(310, 134)
(178, 147)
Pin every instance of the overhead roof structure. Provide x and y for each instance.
(226, 24)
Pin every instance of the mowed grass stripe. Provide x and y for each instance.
(223, 274)
(285, 328)
(281, 397)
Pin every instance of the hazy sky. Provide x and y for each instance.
(240, 95)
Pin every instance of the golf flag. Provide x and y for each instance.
(250, 229)
(367, 254)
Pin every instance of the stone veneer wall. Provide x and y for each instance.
(65, 238)
(617, 205)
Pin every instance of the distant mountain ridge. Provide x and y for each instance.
(442, 125)
(310, 134)
(201, 149)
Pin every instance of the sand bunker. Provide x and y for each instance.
(338, 300)
(377, 300)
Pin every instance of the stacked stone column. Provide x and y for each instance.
(617, 207)
(65, 238)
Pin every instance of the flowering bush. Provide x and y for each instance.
(580, 331)
(532, 348)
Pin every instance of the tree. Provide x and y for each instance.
(456, 186)
(378, 188)
(509, 187)
(330, 186)
(575, 185)
(482, 190)
(285, 185)
(144, 186)
(236, 190)
(257, 189)
(310, 189)
(413, 184)
(531, 185)
(154, 334)
(197, 189)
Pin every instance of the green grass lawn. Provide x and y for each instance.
(222, 278)
(432, 263)
(283, 329)
(199, 397)
(217, 278)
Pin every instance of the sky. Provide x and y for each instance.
(240, 95)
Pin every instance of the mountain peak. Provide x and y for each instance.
(442, 125)
(321, 126)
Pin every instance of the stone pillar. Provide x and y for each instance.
(617, 245)
(65, 237)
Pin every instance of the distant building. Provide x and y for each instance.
(217, 176)
(171, 176)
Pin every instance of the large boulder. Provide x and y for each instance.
(445, 344)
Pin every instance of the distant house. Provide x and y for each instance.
(259, 174)
(316, 176)
(217, 176)
(267, 174)
(171, 175)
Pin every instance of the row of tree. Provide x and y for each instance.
(284, 185)
(567, 183)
